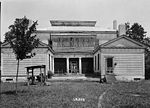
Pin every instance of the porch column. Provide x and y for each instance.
(67, 64)
(80, 66)
(50, 63)
(53, 63)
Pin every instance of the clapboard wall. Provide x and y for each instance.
(9, 62)
(130, 62)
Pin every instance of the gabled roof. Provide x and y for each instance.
(40, 45)
(138, 44)
(121, 42)
(6, 44)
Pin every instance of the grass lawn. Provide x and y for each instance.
(128, 95)
(83, 94)
(73, 94)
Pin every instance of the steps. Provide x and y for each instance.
(68, 75)
(110, 78)
(68, 78)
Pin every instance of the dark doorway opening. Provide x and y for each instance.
(60, 65)
(87, 66)
(74, 65)
(109, 65)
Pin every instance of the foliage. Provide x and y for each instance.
(136, 32)
(50, 74)
(147, 67)
(21, 39)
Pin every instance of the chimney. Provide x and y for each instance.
(50, 43)
(115, 24)
(122, 29)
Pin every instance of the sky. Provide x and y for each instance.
(102, 11)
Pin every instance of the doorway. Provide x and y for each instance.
(109, 65)
(87, 66)
(60, 65)
(74, 65)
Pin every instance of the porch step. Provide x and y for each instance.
(68, 78)
(76, 79)
(110, 78)
(68, 75)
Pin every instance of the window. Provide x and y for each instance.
(49, 61)
(98, 61)
(71, 42)
(95, 62)
(52, 62)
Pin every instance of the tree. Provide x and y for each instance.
(22, 40)
(147, 58)
(137, 33)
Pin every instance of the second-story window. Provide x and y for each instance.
(71, 42)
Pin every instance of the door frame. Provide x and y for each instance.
(111, 70)
(77, 65)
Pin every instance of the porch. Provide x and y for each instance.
(75, 77)
(71, 77)
(76, 67)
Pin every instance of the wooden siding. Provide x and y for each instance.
(122, 51)
(9, 64)
(127, 64)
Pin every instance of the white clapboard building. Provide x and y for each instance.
(80, 48)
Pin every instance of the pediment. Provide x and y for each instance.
(124, 42)
(7, 45)
(120, 45)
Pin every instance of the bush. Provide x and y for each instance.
(50, 74)
(147, 68)
(147, 73)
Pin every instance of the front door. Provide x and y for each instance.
(109, 65)
(74, 68)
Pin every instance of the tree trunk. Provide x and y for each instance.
(17, 74)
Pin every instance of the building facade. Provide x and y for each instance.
(79, 47)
